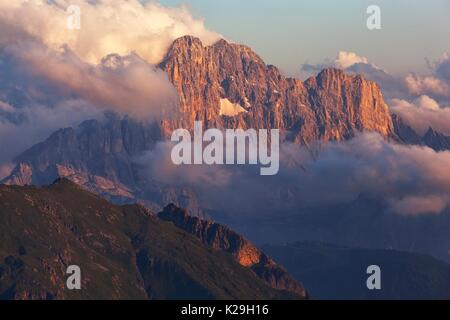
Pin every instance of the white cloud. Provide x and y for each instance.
(419, 85)
(127, 85)
(425, 102)
(108, 64)
(423, 113)
(347, 59)
(414, 179)
(107, 26)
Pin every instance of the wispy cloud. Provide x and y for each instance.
(128, 85)
(423, 113)
(436, 84)
(53, 76)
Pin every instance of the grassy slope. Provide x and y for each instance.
(123, 252)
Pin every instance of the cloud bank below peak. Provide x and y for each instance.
(411, 180)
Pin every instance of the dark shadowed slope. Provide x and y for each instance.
(123, 252)
(244, 252)
(332, 272)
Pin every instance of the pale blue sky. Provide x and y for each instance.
(288, 33)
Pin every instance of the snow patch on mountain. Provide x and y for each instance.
(229, 109)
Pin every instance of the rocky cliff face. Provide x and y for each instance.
(225, 86)
(331, 106)
(223, 238)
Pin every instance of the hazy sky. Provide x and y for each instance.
(288, 33)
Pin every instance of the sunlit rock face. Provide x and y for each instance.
(331, 106)
(225, 86)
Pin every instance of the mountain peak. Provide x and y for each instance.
(221, 42)
(99, 155)
(186, 41)
(331, 72)
(431, 133)
(63, 181)
(332, 77)
(173, 211)
(436, 140)
(331, 106)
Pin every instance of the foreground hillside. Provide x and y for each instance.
(332, 272)
(123, 252)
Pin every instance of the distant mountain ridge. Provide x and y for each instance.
(336, 272)
(432, 138)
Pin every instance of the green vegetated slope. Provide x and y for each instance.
(123, 252)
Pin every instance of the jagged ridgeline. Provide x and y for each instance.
(124, 252)
(229, 85)
(225, 86)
